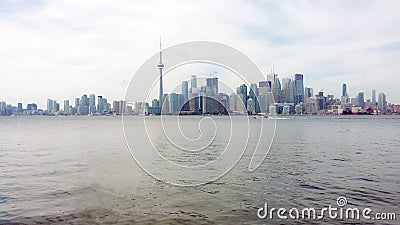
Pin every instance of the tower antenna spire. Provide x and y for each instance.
(160, 68)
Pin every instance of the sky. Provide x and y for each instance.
(63, 49)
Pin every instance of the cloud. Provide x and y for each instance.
(62, 49)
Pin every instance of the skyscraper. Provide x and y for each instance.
(382, 104)
(19, 108)
(253, 94)
(242, 92)
(185, 90)
(84, 105)
(212, 85)
(264, 87)
(287, 90)
(66, 107)
(373, 98)
(360, 99)
(56, 107)
(155, 103)
(193, 84)
(308, 92)
(50, 105)
(299, 88)
(344, 89)
(92, 103)
(161, 67)
(100, 107)
(321, 101)
(3, 108)
(276, 88)
(77, 106)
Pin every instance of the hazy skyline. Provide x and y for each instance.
(63, 49)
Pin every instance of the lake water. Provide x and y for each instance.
(79, 170)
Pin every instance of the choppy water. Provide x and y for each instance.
(79, 170)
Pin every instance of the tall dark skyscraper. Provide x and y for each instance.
(253, 94)
(299, 88)
(212, 85)
(161, 67)
(344, 89)
(242, 91)
(360, 99)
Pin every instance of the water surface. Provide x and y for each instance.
(79, 170)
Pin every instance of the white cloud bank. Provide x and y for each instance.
(62, 49)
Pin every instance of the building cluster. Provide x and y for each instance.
(82, 106)
(194, 100)
(272, 96)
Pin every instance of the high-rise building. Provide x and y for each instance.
(344, 89)
(253, 94)
(212, 85)
(173, 101)
(250, 106)
(266, 100)
(193, 84)
(3, 108)
(165, 104)
(92, 103)
(185, 90)
(287, 90)
(242, 91)
(264, 87)
(360, 99)
(77, 102)
(264, 84)
(84, 109)
(299, 88)
(308, 92)
(276, 88)
(19, 109)
(106, 106)
(50, 105)
(66, 107)
(100, 106)
(224, 99)
(373, 98)
(31, 106)
(119, 107)
(382, 104)
(232, 102)
(155, 103)
(56, 107)
(321, 101)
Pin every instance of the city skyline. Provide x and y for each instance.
(353, 93)
(65, 56)
(286, 96)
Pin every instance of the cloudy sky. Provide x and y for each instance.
(62, 49)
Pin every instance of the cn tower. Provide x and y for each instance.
(161, 67)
